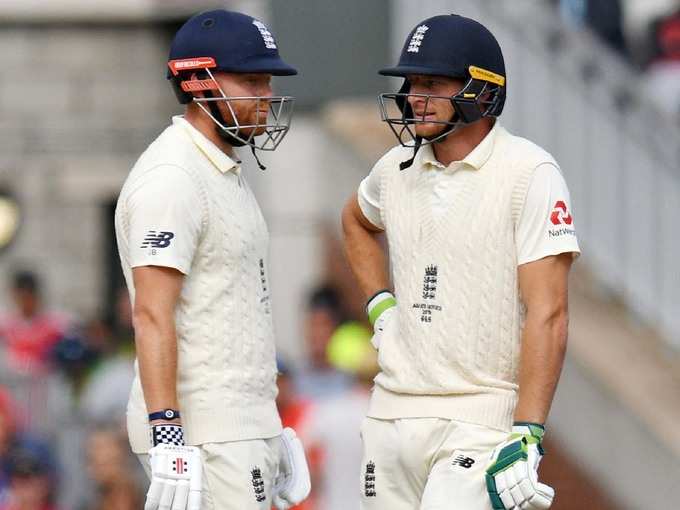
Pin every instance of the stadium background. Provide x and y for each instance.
(83, 93)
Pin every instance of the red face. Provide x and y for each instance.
(434, 110)
(247, 111)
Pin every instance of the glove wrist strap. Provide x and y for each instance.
(536, 430)
(167, 433)
(380, 302)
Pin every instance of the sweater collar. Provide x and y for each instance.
(476, 159)
(219, 159)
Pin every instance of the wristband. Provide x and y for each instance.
(380, 302)
(167, 433)
(165, 414)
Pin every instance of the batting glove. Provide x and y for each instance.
(512, 477)
(176, 471)
(292, 483)
(380, 309)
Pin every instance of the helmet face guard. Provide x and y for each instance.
(273, 128)
(271, 131)
(476, 100)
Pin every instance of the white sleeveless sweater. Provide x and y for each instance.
(226, 373)
(452, 349)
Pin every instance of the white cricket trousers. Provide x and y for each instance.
(235, 472)
(426, 464)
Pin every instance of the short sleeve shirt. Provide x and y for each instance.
(545, 226)
(164, 219)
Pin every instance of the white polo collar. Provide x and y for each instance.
(215, 155)
(476, 159)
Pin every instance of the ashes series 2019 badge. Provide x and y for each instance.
(429, 293)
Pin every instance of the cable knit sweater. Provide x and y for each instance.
(226, 377)
(452, 349)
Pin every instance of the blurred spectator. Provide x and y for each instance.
(324, 314)
(662, 79)
(28, 332)
(106, 389)
(7, 433)
(604, 17)
(32, 477)
(74, 355)
(110, 467)
(333, 426)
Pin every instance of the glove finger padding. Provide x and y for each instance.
(153, 495)
(292, 484)
(512, 479)
(176, 478)
(181, 495)
(168, 494)
(195, 482)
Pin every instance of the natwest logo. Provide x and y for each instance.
(560, 215)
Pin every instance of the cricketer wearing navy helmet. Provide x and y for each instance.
(480, 238)
(194, 251)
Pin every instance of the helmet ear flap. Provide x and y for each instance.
(466, 102)
(402, 101)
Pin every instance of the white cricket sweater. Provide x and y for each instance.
(452, 348)
(226, 376)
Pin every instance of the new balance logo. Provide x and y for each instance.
(463, 461)
(369, 480)
(156, 239)
(258, 485)
(560, 215)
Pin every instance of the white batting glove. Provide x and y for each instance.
(512, 477)
(176, 472)
(292, 483)
(380, 309)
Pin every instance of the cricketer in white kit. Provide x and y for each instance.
(480, 240)
(194, 250)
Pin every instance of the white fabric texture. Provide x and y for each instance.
(226, 376)
(425, 464)
(452, 348)
(537, 236)
(237, 475)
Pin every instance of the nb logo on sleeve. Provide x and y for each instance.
(156, 239)
(463, 461)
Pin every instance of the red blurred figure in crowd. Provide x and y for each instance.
(29, 333)
(662, 79)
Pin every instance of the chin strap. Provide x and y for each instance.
(406, 164)
(259, 163)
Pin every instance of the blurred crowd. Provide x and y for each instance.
(63, 392)
(656, 51)
(64, 385)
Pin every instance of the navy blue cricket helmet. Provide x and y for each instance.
(237, 42)
(456, 47)
(221, 40)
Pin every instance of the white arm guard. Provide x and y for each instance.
(292, 484)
